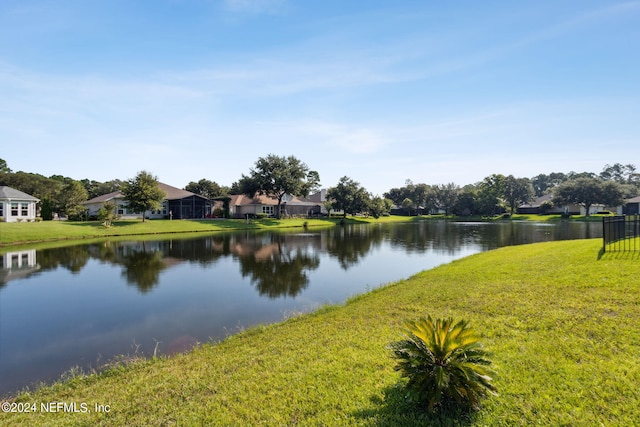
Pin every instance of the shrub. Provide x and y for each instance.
(107, 213)
(444, 363)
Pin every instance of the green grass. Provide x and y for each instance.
(560, 320)
(559, 217)
(16, 233)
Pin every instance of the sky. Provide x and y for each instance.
(379, 91)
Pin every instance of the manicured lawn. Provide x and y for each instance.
(560, 319)
(26, 232)
(558, 217)
(29, 232)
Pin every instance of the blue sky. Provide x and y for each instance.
(380, 91)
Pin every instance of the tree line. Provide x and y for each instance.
(278, 176)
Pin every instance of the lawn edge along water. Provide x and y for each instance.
(559, 319)
(19, 234)
(24, 233)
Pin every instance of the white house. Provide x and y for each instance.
(178, 204)
(16, 205)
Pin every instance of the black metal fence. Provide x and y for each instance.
(621, 233)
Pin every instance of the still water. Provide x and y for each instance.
(81, 306)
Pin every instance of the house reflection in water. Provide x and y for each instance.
(16, 265)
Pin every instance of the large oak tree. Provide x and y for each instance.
(349, 196)
(587, 192)
(276, 176)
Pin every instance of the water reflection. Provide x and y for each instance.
(142, 268)
(278, 266)
(350, 244)
(72, 258)
(277, 263)
(17, 265)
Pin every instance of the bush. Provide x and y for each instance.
(107, 213)
(444, 363)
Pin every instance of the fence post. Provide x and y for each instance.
(617, 230)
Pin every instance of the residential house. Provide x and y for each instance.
(16, 205)
(631, 207)
(537, 206)
(178, 204)
(241, 206)
(321, 198)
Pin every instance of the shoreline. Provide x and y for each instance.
(21, 234)
(540, 307)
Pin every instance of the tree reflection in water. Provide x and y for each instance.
(142, 268)
(278, 269)
(277, 263)
(350, 244)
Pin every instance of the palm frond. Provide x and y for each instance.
(444, 361)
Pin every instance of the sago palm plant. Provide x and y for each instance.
(444, 363)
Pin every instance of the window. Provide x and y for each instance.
(2, 209)
(25, 209)
(14, 209)
(163, 211)
(267, 210)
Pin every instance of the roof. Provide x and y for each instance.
(13, 194)
(258, 199)
(172, 193)
(633, 200)
(105, 197)
(261, 199)
(537, 201)
(319, 197)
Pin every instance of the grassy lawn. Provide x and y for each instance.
(27, 232)
(558, 217)
(560, 319)
(17, 233)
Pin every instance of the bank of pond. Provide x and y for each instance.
(332, 364)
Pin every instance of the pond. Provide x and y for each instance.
(80, 306)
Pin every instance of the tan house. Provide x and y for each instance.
(243, 206)
(17, 206)
(538, 207)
